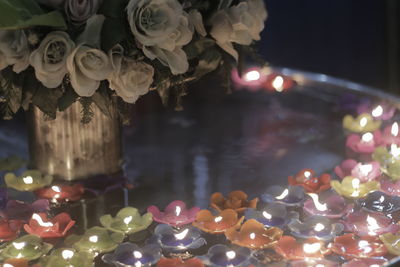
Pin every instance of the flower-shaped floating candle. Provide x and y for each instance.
(178, 262)
(44, 227)
(175, 214)
(95, 240)
(365, 223)
(389, 160)
(312, 184)
(11, 163)
(364, 144)
(333, 207)
(63, 257)
(217, 224)
(61, 192)
(236, 200)
(350, 246)
(131, 255)
(28, 181)
(367, 172)
(352, 187)
(381, 111)
(392, 242)
(9, 229)
(361, 124)
(254, 235)
(314, 263)
(365, 263)
(278, 83)
(391, 134)
(222, 256)
(380, 202)
(3, 197)
(291, 249)
(272, 215)
(291, 196)
(252, 79)
(173, 240)
(17, 210)
(344, 169)
(316, 226)
(390, 188)
(18, 263)
(128, 221)
(29, 247)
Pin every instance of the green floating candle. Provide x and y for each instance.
(389, 159)
(29, 181)
(29, 247)
(128, 221)
(68, 257)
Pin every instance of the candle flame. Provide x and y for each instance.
(364, 245)
(395, 129)
(182, 235)
(231, 255)
(377, 112)
(394, 150)
(218, 219)
(284, 194)
(372, 225)
(137, 254)
(366, 169)
(56, 189)
(267, 215)
(28, 180)
(178, 210)
(355, 183)
(307, 174)
(382, 199)
(277, 83)
(317, 204)
(319, 227)
(253, 75)
(7, 265)
(367, 137)
(252, 236)
(363, 122)
(311, 248)
(20, 245)
(40, 221)
(128, 220)
(94, 238)
(67, 254)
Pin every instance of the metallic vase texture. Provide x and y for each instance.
(70, 150)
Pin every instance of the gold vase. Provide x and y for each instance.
(70, 150)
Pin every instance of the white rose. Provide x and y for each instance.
(241, 24)
(50, 59)
(197, 20)
(130, 79)
(163, 28)
(14, 50)
(87, 67)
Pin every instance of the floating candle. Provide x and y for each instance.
(28, 247)
(365, 263)
(252, 79)
(17, 210)
(29, 181)
(362, 124)
(392, 242)
(364, 144)
(219, 223)
(291, 196)
(345, 168)
(306, 178)
(44, 227)
(178, 262)
(352, 187)
(175, 214)
(223, 256)
(380, 111)
(272, 215)
(9, 229)
(365, 223)
(67, 257)
(389, 160)
(391, 134)
(131, 255)
(350, 246)
(278, 83)
(380, 202)
(291, 249)
(333, 207)
(367, 172)
(236, 200)
(61, 192)
(390, 188)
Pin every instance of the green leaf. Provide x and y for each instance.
(11, 90)
(114, 8)
(20, 14)
(196, 48)
(103, 101)
(46, 100)
(67, 99)
(113, 32)
(208, 62)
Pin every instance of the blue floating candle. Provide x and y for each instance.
(222, 256)
(131, 255)
(380, 202)
(272, 215)
(290, 196)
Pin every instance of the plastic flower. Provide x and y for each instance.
(380, 202)
(254, 235)
(344, 169)
(95, 240)
(216, 224)
(389, 160)
(29, 247)
(236, 200)
(67, 257)
(178, 262)
(28, 181)
(222, 256)
(274, 214)
(17, 210)
(306, 178)
(11, 163)
(18, 263)
(291, 249)
(364, 144)
(369, 224)
(128, 221)
(392, 242)
(350, 246)
(175, 214)
(352, 187)
(129, 254)
(44, 227)
(63, 192)
(367, 172)
(292, 196)
(333, 206)
(9, 229)
(361, 124)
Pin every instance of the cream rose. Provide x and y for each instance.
(163, 28)
(50, 59)
(130, 79)
(14, 50)
(241, 24)
(87, 67)
(79, 11)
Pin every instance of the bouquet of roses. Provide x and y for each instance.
(56, 52)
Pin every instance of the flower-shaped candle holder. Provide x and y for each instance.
(44, 227)
(3, 197)
(291, 249)
(392, 242)
(291, 196)
(17, 210)
(390, 188)
(333, 206)
(380, 202)
(254, 235)
(381, 111)
(391, 134)
(344, 169)
(61, 192)
(29, 247)
(350, 246)
(253, 78)
(351, 187)
(178, 262)
(278, 83)
(173, 240)
(314, 263)
(128, 221)
(222, 256)
(29, 181)
(236, 200)
(131, 255)
(67, 257)
(95, 240)
(217, 224)
(367, 172)
(272, 215)
(9, 229)
(316, 226)
(175, 214)
(365, 143)
(312, 184)
(365, 263)
(11, 163)
(17, 263)
(365, 223)
(361, 124)
(389, 160)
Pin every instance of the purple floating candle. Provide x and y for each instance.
(17, 210)
(380, 202)
(272, 215)
(345, 168)
(222, 256)
(382, 111)
(391, 134)
(291, 196)
(333, 206)
(129, 254)
(175, 214)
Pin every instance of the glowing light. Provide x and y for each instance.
(372, 225)
(40, 221)
(252, 236)
(355, 183)
(395, 129)
(277, 83)
(284, 194)
(367, 137)
(317, 204)
(67, 254)
(307, 174)
(366, 169)
(231, 255)
(137, 254)
(319, 227)
(56, 189)
(377, 112)
(267, 215)
(128, 220)
(311, 248)
(28, 180)
(178, 210)
(394, 150)
(319, 265)
(7, 265)
(364, 245)
(382, 199)
(253, 75)
(19, 246)
(182, 235)
(363, 122)
(94, 238)
(218, 219)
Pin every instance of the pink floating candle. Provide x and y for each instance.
(391, 134)
(365, 143)
(175, 214)
(44, 227)
(344, 169)
(367, 172)
(390, 188)
(291, 249)
(382, 111)
(253, 79)
(350, 246)
(333, 206)
(9, 229)
(61, 192)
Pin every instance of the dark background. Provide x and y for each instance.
(353, 39)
